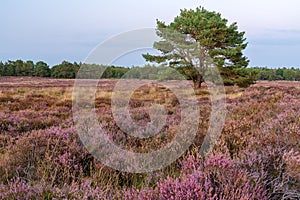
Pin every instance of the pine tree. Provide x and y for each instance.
(198, 38)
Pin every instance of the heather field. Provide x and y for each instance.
(42, 157)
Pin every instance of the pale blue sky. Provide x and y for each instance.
(52, 30)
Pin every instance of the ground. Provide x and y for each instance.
(42, 157)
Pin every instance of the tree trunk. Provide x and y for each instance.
(198, 81)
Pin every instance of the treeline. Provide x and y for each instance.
(65, 69)
(69, 70)
(39, 69)
(290, 74)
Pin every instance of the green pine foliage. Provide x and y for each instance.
(198, 38)
(65, 70)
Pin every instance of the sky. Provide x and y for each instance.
(53, 31)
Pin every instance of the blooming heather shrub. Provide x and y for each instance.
(220, 178)
(54, 155)
(251, 117)
(277, 179)
(292, 161)
(28, 110)
(27, 120)
(20, 189)
(256, 157)
(263, 144)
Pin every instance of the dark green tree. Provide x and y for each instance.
(289, 74)
(2, 69)
(42, 69)
(19, 69)
(279, 73)
(65, 70)
(10, 69)
(29, 68)
(198, 38)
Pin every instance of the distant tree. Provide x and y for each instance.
(2, 69)
(264, 73)
(65, 70)
(19, 70)
(289, 74)
(135, 73)
(207, 35)
(297, 75)
(10, 68)
(279, 73)
(28, 68)
(107, 73)
(42, 69)
(118, 72)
